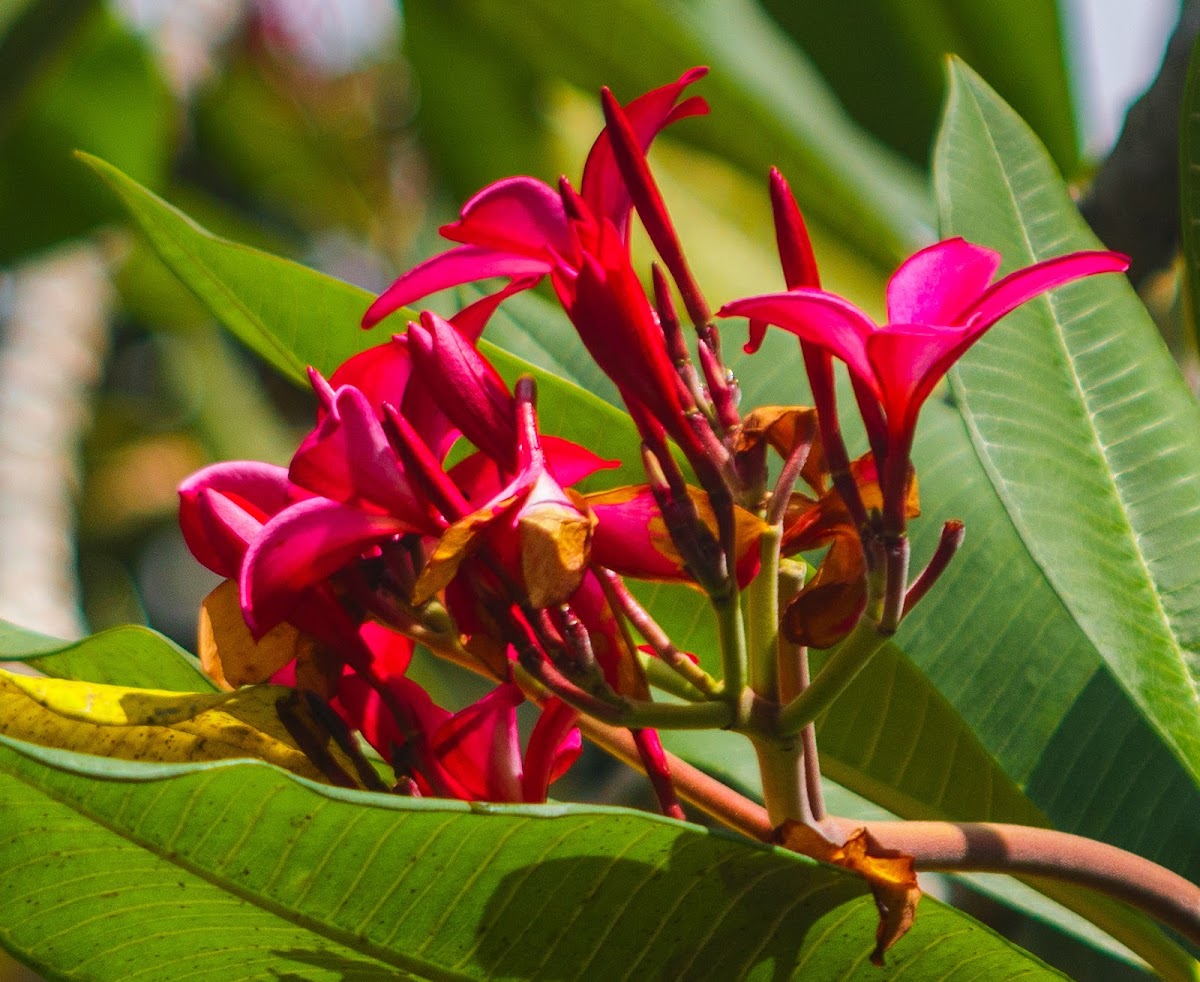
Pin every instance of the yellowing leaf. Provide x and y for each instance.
(268, 723)
(889, 874)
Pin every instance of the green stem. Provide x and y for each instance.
(678, 716)
(762, 619)
(833, 678)
(663, 676)
(782, 773)
(732, 635)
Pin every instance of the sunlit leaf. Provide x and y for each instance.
(1085, 428)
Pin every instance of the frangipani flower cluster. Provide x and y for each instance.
(370, 541)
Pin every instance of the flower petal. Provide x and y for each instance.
(222, 508)
(554, 745)
(518, 215)
(829, 606)
(555, 533)
(464, 264)
(229, 654)
(602, 186)
(478, 750)
(791, 237)
(348, 458)
(472, 319)
(935, 285)
(465, 385)
(617, 325)
(909, 360)
(300, 547)
(824, 319)
(631, 537)
(1027, 283)
(364, 710)
(381, 374)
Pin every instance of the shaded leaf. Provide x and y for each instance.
(239, 870)
(769, 104)
(44, 198)
(1016, 44)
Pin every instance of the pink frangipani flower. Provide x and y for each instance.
(518, 228)
(939, 303)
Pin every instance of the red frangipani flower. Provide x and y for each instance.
(474, 754)
(939, 302)
(518, 228)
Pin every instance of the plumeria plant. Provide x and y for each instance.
(444, 501)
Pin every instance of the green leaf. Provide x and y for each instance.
(769, 104)
(293, 316)
(240, 870)
(1086, 429)
(887, 736)
(130, 656)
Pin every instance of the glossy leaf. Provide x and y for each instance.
(980, 779)
(242, 870)
(293, 317)
(1086, 429)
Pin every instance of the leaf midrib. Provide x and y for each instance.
(1097, 452)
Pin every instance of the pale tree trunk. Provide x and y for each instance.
(53, 341)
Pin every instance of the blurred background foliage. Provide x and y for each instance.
(342, 132)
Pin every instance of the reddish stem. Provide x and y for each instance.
(654, 762)
(948, 544)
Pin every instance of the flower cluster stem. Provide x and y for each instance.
(784, 792)
(835, 675)
(731, 633)
(762, 618)
(622, 599)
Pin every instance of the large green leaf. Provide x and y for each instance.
(1086, 429)
(769, 104)
(293, 317)
(245, 871)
